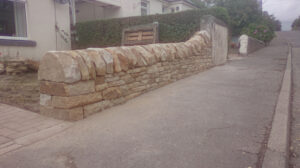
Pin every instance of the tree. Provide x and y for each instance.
(199, 3)
(271, 21)
(296, 24)
(241, 12)
(244, 13)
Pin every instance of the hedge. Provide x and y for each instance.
(260, 32)
(176, 27)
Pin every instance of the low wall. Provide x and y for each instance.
(76, 84)
(249, 45)
(16, 67)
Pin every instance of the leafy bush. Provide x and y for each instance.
(245, 12)
(260, 32)
(296, 24)
(176, 27)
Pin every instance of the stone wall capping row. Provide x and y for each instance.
(76, 65)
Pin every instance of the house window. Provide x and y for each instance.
(177, 9)
(172, 10)
(145, 7)
(13, 18)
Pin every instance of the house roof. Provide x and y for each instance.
(187, 1)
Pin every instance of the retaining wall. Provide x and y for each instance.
(76, 84)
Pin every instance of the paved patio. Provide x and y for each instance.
(20, 128)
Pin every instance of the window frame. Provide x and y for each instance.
(27, 32)
(145, 8)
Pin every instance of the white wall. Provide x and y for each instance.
(156, 7)
(89, 11)
(185, 7)
(182, 7)
(41, 19)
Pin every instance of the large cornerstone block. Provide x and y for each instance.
(76, 84)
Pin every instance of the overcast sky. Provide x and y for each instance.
(285, 10)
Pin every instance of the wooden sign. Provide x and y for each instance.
(140, 35)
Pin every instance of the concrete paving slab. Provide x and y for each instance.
(19, 128)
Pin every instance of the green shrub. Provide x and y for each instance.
(296, 24)
(260, 32)
(175, 27)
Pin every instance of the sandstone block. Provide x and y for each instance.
(134, 84)
(75, 101)
(137, 70)
(139, 88)
(116, 83)
(88, 61)
(132, 59)
(109, 61)
(122, 61)
(98, 61)
(171, 50)
(2, 68)
(157, 51)
(133, 95)
(45, 100)
(62, 89)
(117, 64)
(148, 56)
(59, 67)
(141, 62)
(101, 87)
(124, 90)
(194, 47)
(118, 101)
(84, 70)
(73, 114)
(112, 79)
(96, 107)
(128, 78)
(100, 80)
(112, 93)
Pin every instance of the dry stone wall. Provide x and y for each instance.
(76, 84)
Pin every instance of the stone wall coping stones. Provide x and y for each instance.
(76, 65)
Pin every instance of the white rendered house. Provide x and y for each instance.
(87, 10)
(30, 28)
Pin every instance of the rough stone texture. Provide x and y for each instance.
(112, 93)
(108, 59)
(73, 114)
(62, 89)
(95, 79)
(59, 67)
(96, 107)
(45, 100)
(15, 67)
(75, 101)
(2, 68)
